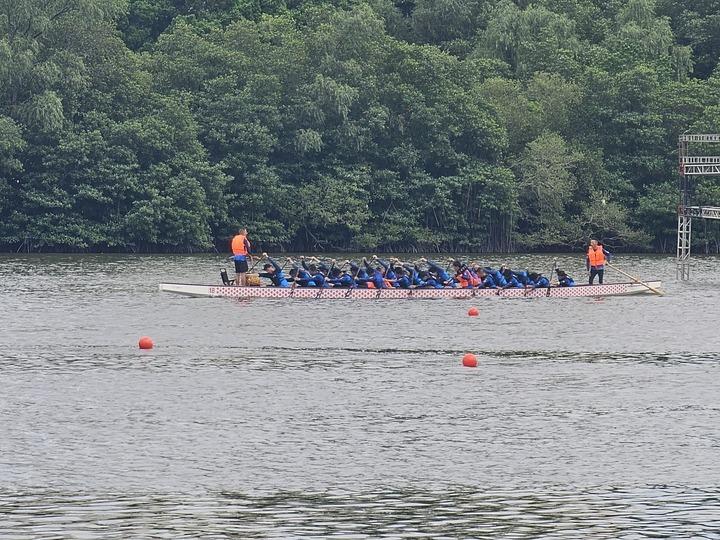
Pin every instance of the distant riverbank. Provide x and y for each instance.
(408, 250)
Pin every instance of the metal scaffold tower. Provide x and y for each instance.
(692, 166)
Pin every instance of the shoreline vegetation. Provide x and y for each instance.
(380, 126)
(285, 252)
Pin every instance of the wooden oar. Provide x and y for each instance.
(525, 286)
(266, 256)
(355, 285)
(636, 280)
(257, 261)
(295, 279)
(287, 260)
(385, 270)
(550, 278)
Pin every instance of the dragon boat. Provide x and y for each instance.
(231, 291)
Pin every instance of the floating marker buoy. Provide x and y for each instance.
(469, 360)
(145, 343)
(473, 312)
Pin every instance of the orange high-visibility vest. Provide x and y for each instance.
(596, 256)
(462, 281)
(238, 245)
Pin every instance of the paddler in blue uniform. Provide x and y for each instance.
(317, 278)
(301, 276)
(439, 273)
(432, 282)
(274, 272)
(511, 282)
(563, 279)
(340, 279)
(318, 272)
(497, 277)
(402, 279)
(413, 273)
(388, 269)
(522, 276)
(486, 280)
(359, 274)
(376, 279)
(537, 281)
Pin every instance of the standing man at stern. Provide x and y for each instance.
(595, 261)
(241, 251)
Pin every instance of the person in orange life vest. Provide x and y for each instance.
(240, 247)
(595, 261)
(462, 277)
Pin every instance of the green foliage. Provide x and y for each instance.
(350, 124)
(547, 181)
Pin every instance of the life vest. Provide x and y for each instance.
(388, 283)
(596, 256)
(460, 278)
(238, 245)
(370, 285)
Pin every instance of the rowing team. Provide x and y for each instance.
(382, 274)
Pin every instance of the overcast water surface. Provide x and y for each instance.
(586, 418)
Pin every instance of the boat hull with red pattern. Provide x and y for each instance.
(223, 291)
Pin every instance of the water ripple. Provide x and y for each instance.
(650, 512)
(337, 420)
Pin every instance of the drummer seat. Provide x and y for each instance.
(224, 276)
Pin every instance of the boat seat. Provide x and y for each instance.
(225, 279)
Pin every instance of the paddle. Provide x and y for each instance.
(265, 256)
(257, 261)
(636, 280)
(329, 271)
(550, 277)
(525, 285)
(452, 279)
(500, 288)
(354, 278)
(295, 280)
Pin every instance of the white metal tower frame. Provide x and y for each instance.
(693, 166)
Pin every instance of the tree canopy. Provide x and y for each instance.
(449, 125)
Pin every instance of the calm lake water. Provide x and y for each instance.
(586, 418)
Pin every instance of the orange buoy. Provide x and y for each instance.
(469, 360)
(473, 312)
(145, 343)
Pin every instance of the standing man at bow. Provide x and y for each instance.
(241, 251)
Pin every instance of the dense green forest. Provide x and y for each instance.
(453, 125)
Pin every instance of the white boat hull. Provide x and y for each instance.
(221, 291)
